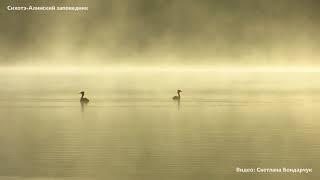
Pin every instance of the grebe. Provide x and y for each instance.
(177, 98)
(82, 99)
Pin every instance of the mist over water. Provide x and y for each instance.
(168, 32)
(131, 128)
(248, 70)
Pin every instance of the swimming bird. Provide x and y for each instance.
(82, 99)
(177, 98)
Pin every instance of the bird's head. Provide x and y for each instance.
(82, 92)
(178, 91)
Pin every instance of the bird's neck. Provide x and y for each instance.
(82, 96)
(179, 94)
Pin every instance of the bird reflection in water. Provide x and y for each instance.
(83, 101)
(177, 98)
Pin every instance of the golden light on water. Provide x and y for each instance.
(146, 68)
(248, 70)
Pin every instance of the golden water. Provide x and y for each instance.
(131, 129)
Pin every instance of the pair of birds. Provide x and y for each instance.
(86, 100)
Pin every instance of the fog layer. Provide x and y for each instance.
(261, 32)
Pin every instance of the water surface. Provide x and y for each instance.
(131, 129)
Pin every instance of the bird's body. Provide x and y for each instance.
(82, 99)
(177, 98)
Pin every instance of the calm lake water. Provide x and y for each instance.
(132, 130)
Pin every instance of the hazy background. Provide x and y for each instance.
(258, 115)
(202, 32)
